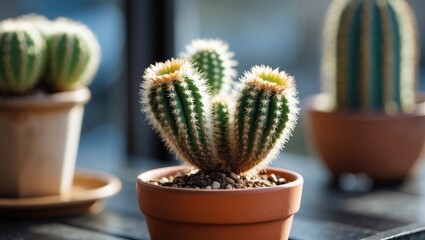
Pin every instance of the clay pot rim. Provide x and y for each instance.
(141, 180)
(311, 104)
(42, 100)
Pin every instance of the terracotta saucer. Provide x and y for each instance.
(89, 188)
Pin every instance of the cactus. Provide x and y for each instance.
(73, 53)
(22, 61)
(214, 60)
(207, 132)
(370, 55)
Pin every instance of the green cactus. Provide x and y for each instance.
(73, 54)
(209, 134)
(214, 60)
(370, 55)
(22, 61)
(266, 113)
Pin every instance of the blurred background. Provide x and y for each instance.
(136, 33)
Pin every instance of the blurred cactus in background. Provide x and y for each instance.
(220, 133)
(73, 53)
(370, 55)
(214, 60)
(60, 54)
(22, 57)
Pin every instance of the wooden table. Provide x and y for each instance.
(326, 211)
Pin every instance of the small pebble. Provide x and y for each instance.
(234, 176)
(228, 186)
(229, 180)
(272, 178)
(164, 180)
(215, 185)
(208, 187)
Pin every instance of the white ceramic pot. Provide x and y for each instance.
(39, 138)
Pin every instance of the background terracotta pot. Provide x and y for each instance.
(39, 141)
(264, 213)
(384, 147)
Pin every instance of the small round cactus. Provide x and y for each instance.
(23, 53)
(214, 133)
(214, 60)
(370, 55)
(73, 54)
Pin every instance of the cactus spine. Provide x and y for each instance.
(74, 55)
(205, 132)
(22, 61)
(265, 115)
(214, 60)
(370, 55)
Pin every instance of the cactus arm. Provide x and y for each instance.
(262, 132)
(221, 130)
(215, 62)
(184, 107)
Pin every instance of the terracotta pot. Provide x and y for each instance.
(189, 214)
(385, 147)
(39, 141)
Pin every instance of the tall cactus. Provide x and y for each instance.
(22, 61)
(207, 132)
(73, 53)
(214, 60)
(370, 55)
(266, 113)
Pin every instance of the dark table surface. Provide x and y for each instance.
(327, 212)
